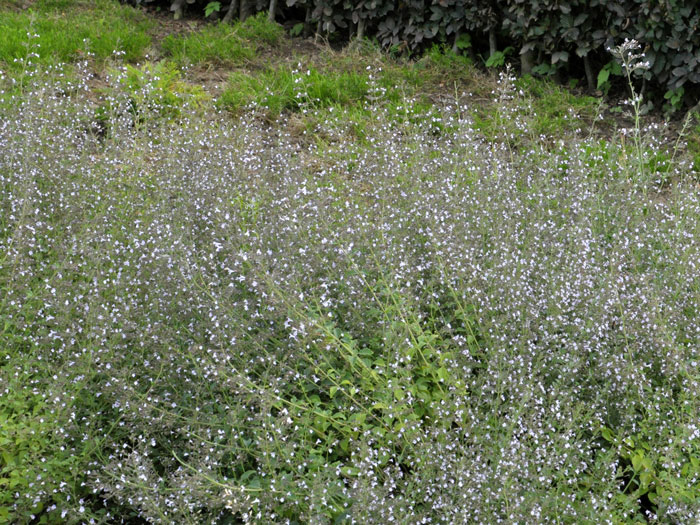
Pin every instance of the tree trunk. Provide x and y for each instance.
(360, 28)
(455, 47)
(272, 10)
(589, 74)
(232, 8)
(527, 62)
(307, 23)
(246, 10)
(318, 32)
(493, 44)
(176, 8)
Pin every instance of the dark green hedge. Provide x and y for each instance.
(558, 37)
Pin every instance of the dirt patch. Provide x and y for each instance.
(18, 5)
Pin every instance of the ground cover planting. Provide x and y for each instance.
(339, 287)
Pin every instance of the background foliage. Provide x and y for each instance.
(546, 37)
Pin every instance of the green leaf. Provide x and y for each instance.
(315, 400)
(496, 59)
(560, 56)
(333, 390)
(464, 41)
(607, 434)
(296, 29)
(358, 418)
(212, 7)
(653, 497)
(14, 479)
(8, 459)
(247, 474)
(255, 483)
(603, 76)
(544, 69)
(349, 471)
(637, 460)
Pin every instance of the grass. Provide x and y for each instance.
(693, 138)
(541, 109)
(68, 31)
(388, 301)
(555, 109)
(279, 90)
(222, 44)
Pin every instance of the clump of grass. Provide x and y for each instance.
(278, 90)
(531, 110)
(160, 89)
(694, 143)
(259, 29)
(441, 66)
(223, 44)
(555, 110)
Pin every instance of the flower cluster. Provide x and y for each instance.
(220, 320)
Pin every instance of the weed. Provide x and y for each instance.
(440, 67)
(360, 310)
(631, 63)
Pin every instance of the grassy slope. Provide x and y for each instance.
(68, 30)
(491, 322)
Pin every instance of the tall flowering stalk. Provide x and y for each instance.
(633, 62)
